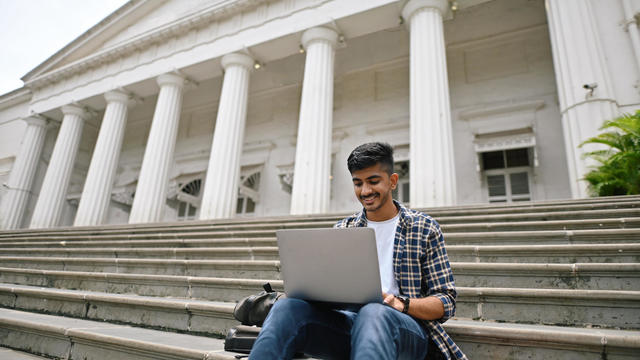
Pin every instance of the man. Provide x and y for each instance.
(417, 284)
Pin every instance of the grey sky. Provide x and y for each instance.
(33, 30)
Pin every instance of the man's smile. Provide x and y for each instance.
(369, 199)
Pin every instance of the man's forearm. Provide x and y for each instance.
(428, 308)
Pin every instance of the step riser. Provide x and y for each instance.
(533, 351)
(194, 321)
(548, 259)
(228, 271)
(252, 236)
(467, 277)
(190, 288)
(35, 341)
(169, 254)
(549, 281)
(564, 312)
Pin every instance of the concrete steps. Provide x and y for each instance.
(612, 207)
(552, 280)
(91, 340)
(568, 254)
(618, 276)
(602, 308)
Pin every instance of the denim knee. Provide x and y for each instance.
(375, 312)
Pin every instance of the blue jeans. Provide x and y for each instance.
(375, 332)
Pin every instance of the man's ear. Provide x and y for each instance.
(394, 180)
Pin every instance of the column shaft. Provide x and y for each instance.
(221, 185)
(151, 192)
(22, 174)
(56, 181)
(579, 60)
(96, 194)
(432, 167)
(311, 183)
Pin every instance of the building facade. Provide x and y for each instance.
(207, 109)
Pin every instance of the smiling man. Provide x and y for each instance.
(417, 283)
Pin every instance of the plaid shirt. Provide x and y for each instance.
(421, 268)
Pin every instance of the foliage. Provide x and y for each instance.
(619, 169)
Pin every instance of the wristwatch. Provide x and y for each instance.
(405, 301)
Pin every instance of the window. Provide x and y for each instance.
(248, 194)
(507, 173)
(401, 192)
(188, 200)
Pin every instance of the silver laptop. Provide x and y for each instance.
(337, 266)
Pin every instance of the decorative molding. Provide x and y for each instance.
(491, 110)
(158, 35)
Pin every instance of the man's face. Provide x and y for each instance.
(373, 186)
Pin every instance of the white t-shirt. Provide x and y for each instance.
(385, 235)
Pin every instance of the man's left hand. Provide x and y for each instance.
(391, 300)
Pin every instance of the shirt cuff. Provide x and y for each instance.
(449, 306)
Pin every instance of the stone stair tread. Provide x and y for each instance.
(573, 294)
(122, 336)
(278, 284)
(559, 205)
(198, 347)
(186, 238)
(543, 333)
(167, 302)
(496, 266)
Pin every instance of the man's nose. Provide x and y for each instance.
(366, 190)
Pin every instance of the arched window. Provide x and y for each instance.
(189, 199)
(248, 194)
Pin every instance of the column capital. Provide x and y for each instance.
(319, 34)
(77, 110)
(36, 120)
(171, 79)
(117, 96)
(412, 6)
(243, 60)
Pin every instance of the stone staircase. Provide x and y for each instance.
(550, 280)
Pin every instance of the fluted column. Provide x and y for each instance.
(432, 172)
(22, 174)
(221, 186)
(579, 60)
(311, 183)
(96, 194)
(151, 192)
(56, 181)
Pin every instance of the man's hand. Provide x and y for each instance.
(392, 301)
(428, 308)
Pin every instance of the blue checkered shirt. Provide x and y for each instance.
(421, 268)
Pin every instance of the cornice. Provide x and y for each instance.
(17, 96)
(158, 35)
(96, 30)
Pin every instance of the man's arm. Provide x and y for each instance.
(428, 308)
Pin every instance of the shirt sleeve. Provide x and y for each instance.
(437, 270)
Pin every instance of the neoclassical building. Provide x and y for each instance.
(171, 110)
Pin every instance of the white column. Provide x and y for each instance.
(631, 25)
(221, 186)
(432, 168)
(22, 174)
(96, 194)
(311, 183)
(579, 60)
(56, 181)
(151, 191)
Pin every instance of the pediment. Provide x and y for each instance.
(133, 20)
